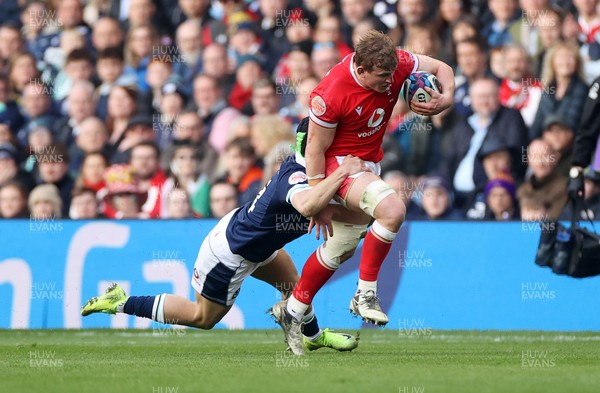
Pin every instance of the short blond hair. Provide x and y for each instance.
(376, 50)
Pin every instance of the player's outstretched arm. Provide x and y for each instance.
(439, 101)
(310, 201)
(319, 140)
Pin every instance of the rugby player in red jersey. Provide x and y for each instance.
(349, 111)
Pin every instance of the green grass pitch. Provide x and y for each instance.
(178, 361)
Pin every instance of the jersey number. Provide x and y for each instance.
(258, 197)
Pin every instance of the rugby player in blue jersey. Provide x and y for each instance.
(249, 241)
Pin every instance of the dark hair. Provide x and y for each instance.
(112, 53)
(79, 55)
(78, 191)
(243, 145)
(375, 49)
(477, 41)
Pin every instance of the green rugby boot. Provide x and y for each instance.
(330, 339)
(107, 303)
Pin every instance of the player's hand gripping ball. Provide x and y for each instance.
(413, 89)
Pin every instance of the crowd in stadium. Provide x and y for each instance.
(177, 109)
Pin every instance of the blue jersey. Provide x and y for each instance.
(269, 222)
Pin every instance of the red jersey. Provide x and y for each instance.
(359, 115)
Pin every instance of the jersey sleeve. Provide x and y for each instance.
(293, 183)
(408, 63)
(323, 105)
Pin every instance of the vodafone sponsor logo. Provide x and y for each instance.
(375, 121)
(317, 106)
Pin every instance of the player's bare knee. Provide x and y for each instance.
(391, 213)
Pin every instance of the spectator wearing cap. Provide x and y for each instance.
(546, 183)
(355, 11)
(497, 158)
(223, 199)
(13, 201)
(519, 89)
(216, 64)
(501, 199)
(84, 205)
(187, 62)
(10, 116)
(81, 104)
(92, 138)
(489, 120)
(243, 42)
(109, 68)
(45, 202)
(436, 201)
(324, 57)
(124, 198)
(329, 29)
(565, 88)
(248, 72)
(53, 168)
(560, 136)
(139, 129)
(148, 176)
(210, 104)
(9, 167)
(185, 174)
(242, 171)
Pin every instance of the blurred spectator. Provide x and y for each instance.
(369, 24)
(216, 65)
(559, 135)
(525, 30)
(472, 65)
(532, 209)
(321, 8)
(11, 43)
(55, 58)
(185, 174)
(13, 201)
(272, 21)
(267, 131)
(171, 104)
(79, 66)
(274, 158)
(109, 67)
(546, 184)
(264, 100)
(355, 11)
(81, 104)
(292, 69)
(450, 12)
(36, 105)
(6, 135)
(223, 199)
(588, 20)
(248, 72)
(84, 205)
(324, 57)
(489, 120)
(423, 40)
(178, 204)
(10, 115)
(501, 199)
(187, 62)
(139, 129)
(158, 73)
(504, 12)
(148, 176)
(550, 27)
(45, 202)
(466, 28)
(240, 162)
(9, 167)
(107, 34)
(91, 175)
(436, 201)
(124, 198)
(412, 13)
(329, 29)
(22, 71)
(92, 138)
(519, 90)
(141, 41)
(210, 103)
(121, 105)
(53, 165)
(298, 110)
(497, 66)
(591, 208)
(39, 137)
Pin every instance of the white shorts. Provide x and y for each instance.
(218, 272)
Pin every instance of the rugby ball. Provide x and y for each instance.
(413, 89)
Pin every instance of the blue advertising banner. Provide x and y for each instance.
(437, 276)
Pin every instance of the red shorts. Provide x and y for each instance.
(333, 163)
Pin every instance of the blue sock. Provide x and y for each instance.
(311, 326)
(140, 306)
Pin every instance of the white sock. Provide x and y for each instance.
(296, 308)
(158, 310)
(306, 319)
(121, 306)
(364, 286)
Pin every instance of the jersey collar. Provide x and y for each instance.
(354, 73)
